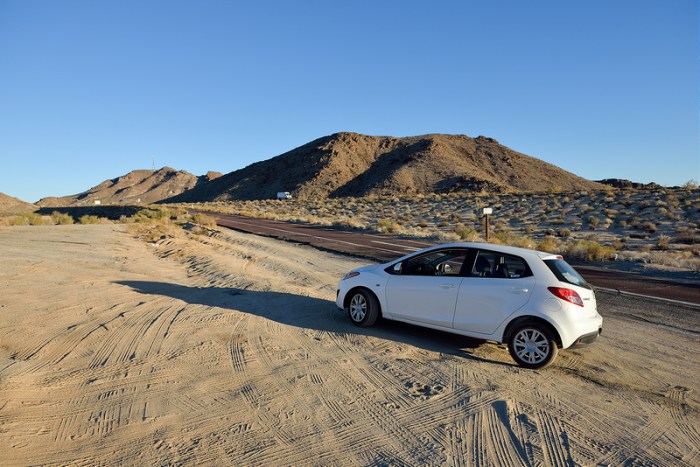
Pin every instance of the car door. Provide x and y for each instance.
(425, 288)
(495, 287)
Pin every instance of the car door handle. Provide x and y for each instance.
(518, 290)
(448, 286)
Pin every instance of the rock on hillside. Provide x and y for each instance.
(623, 183)
(350, 164)
(138, 186)
(10, 205)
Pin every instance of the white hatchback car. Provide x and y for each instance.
(533, 301)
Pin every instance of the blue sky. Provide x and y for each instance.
(90, 90)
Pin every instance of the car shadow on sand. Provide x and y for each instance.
(312, 313)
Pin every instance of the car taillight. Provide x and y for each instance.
(569, 295)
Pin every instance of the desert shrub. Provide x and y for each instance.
(663, 242)
(18, 220)
(89, 219)
(508, 238)
(589, 250)
(466, 233)
(35, 219)
(197, 229)
(548, 244)
(683, 260)
(26, 219)
(593, 222)
(204, 220)
(387, 226)
(61, 218)
(649, 226)
(565, 232)
(687, 236)
(522, 242)
(691, 184)
(149, 215)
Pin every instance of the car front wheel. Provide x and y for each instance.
(363, 308)
(532, 346)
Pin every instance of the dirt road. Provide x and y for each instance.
(229, 349)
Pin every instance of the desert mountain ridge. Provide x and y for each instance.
(10, 205)
(351, 165)
(354, 165)
(138, 186)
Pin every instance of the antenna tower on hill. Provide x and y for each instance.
(154, 164)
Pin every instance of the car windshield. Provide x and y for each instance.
(566, 273)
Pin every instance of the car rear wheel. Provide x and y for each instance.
(363, 308)
(532, 346)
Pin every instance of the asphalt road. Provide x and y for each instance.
(386, 248)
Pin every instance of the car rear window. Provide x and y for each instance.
(565, 273)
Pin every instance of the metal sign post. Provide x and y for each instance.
(486, 213)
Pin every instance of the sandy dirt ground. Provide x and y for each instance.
(229, 349)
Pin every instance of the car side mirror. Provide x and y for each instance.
(397, 268)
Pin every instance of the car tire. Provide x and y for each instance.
(532, 346)
(363, 308)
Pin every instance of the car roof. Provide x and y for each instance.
(513, 250)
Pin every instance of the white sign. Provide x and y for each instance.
(488, 211)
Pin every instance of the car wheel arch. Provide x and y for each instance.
(523, 320)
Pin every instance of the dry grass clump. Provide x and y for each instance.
(204, 220)
(25, 219)
(90, 219)
(60, 218)
(156, 224)
(158, 214)
(589, 250)
(152, 233)
(388, 226)
(466, 234)
(549, 244)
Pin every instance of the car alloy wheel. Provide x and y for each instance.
(532, 346)
(358, 308)
(363, 308)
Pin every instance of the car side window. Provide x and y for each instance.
(499, 265)
(435, 263)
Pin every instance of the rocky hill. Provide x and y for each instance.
(351, 164)
(10, 205)
(138, 186)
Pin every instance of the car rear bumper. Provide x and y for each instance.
(587, 339)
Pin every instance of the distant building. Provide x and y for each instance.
(97, 201)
